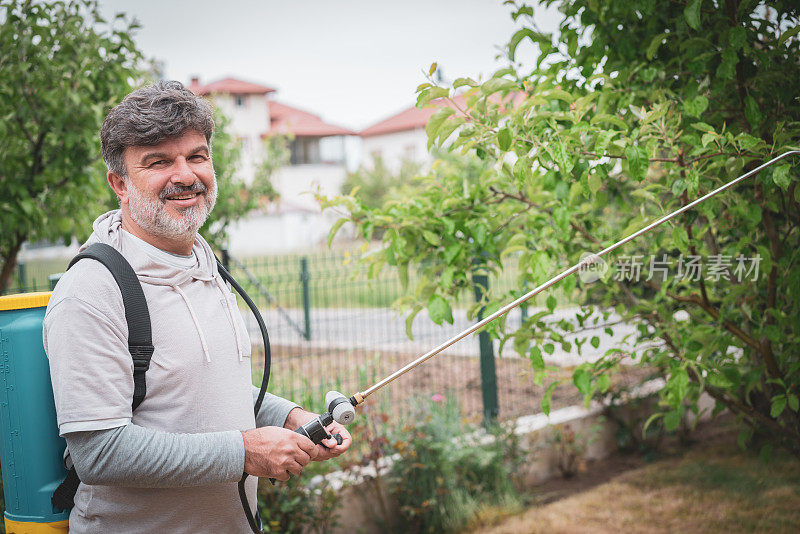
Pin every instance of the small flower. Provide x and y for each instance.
(437, 398)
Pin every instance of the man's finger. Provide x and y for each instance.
(307, 446)
(302, 457)
(294, 468)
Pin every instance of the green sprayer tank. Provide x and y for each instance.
(30, 448)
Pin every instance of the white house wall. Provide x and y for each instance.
(395, 148)
(247, 123)
(297, 183)
(276, 233)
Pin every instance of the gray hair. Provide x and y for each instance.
(152, 114)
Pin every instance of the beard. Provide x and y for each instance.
(151, 213)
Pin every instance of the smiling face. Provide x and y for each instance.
(169, 191)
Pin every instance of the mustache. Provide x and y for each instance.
(196, 187)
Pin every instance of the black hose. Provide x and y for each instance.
(255, 522)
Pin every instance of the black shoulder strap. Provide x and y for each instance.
(140, 341)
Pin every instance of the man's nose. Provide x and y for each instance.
(182, 173)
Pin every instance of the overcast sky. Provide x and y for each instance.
(354, 62)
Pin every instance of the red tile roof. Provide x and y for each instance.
(230, 86)
(413, 118)
(300, 123)
(408, 119)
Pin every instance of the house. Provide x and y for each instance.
(397, 139)
(316, 163)
(402, 138)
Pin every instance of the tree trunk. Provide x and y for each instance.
(10, 262)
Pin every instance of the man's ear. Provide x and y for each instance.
(119, 186)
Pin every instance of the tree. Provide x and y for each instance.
(63, 67)
(235, 198)
(372, 185)
(632, 110)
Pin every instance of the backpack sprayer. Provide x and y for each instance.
(30, 448)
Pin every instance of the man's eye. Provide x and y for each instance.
(158, 163)
(198, 157)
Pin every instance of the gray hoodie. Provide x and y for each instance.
(199, 382)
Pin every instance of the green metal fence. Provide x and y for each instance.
(331, 327)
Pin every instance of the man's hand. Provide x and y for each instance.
(276, 452)
(330, 448)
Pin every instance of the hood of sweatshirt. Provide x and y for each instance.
(149, 269)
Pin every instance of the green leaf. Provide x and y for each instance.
(479, 233)
(654, 45)
(431, 237)
(794, 402)
(737, 37)
(551, 302)
(747, 141)
(604, 137)
(537, 361)
(720, 381)
(605, 117)
(547, 397)
(637, 162)
(449, 127)
(677, 386)
(595, 341)
(708, 138)
(582, 380)
(461, 82)
(703, 127)
(696, 106)
(595, 183)
(504, 139)
(451, 251)
(432, 69)
(432, 93)
(672, 420)
(560, 94)
(435, 122)
(788, 34)
(562, 156)
(410, 322)
(561, 217)
(778, 405)
(497, 84)
(751, 111)
(692, 13)
(439, 310)
(781, 176)
(334, 229)
(650, 421)
(518, 37)
(603, 383)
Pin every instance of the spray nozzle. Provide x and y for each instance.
(339, 407)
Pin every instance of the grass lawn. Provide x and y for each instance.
(711, 487)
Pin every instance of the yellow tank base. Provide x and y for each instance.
(25, 527)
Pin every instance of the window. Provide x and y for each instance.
(304, 151)
(240, 101)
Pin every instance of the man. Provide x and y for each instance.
(173, 464)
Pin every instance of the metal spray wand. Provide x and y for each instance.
(359, 397)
